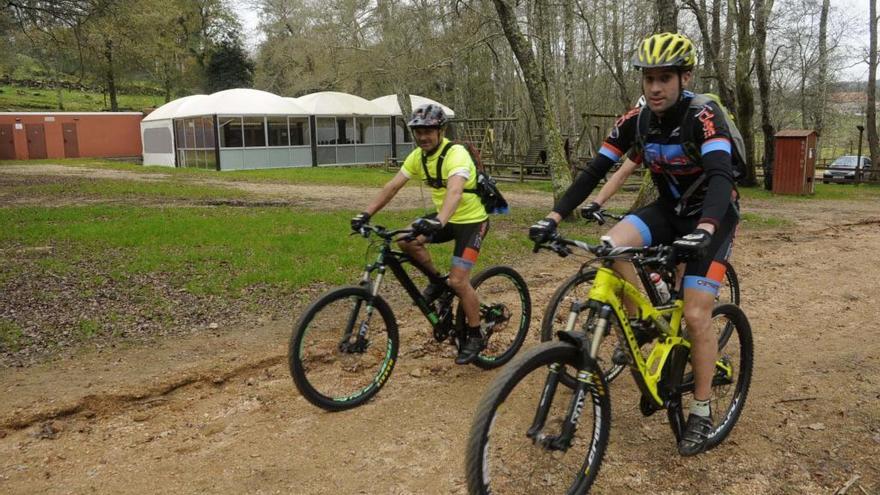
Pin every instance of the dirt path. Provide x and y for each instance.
(218, 412)
(306, 196)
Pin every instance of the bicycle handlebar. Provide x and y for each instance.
(388, 235)
(599, 216)
(660, 254)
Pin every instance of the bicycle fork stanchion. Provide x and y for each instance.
(361, 342)
(584, 381)
(547, 395)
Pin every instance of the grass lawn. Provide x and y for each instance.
(216, 250)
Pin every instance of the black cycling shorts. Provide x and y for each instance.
(658, 224)
(468, 240)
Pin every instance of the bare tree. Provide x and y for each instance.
(547, 130)
(667, 16)
(762, 12)
(871, 113)
(822, 74)
(712, 47)
(745, 107)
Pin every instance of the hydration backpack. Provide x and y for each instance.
(486, 189)
(738, 151)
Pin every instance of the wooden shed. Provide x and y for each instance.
(35, 135)
(795, 167)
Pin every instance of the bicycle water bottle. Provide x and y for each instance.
(660, 285)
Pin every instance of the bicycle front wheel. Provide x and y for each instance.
(577, 288)
(731, 379)
(506, 311)
(510, 449)
(343, 348)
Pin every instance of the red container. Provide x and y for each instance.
(795, 167)
(32, 135)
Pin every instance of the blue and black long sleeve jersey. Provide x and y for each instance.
(673, 170)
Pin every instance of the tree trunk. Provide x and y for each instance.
(568, 67)
(822, 76)
(762, 12)
(712, 47)
(547, 131)
(871, 113)
(111, 76)
(745, 108)
(667, 16)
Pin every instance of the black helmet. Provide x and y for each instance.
(428, 115)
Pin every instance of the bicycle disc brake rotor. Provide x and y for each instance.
(496, 316)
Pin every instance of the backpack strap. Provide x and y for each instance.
(437, 181)
(643, 124)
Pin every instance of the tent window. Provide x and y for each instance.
(299, 131)
(254, 132)
(199, 127)
(326, 130)
(230, 132)
(278, 134)
(346, 130)
(380, 131)
(364, 130)
(157, 140)
(208, 126)
(180, 136)
(189, 126)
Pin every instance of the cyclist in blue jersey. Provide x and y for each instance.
(697, 209)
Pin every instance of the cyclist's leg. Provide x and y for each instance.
(419, 253)
(702, 280)
(468, 240)
(644, 227)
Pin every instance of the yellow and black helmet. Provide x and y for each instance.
(666, 50)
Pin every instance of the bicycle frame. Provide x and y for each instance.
(605, 297)
(390, 258)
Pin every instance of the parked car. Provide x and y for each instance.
(844, 169)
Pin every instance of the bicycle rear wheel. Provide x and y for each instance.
(504, 452)
(729, 291)
(506, 309)
(339, 355)
(577, 288)
(732, 378)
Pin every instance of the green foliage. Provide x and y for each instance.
(228, 66)
(14, 98)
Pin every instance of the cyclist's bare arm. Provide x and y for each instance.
(614, 183)
(387, 193)
(454, 190)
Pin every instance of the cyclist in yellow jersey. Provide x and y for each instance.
(460, 214)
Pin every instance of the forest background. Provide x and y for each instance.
(776, 64)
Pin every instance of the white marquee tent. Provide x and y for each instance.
(248, 129)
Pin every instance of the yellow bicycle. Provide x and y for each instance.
(524, 437)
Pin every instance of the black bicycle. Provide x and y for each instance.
(576, 288)
(344, 347)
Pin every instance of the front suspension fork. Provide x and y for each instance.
(361, 341)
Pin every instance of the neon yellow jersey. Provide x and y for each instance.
(457, 162)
